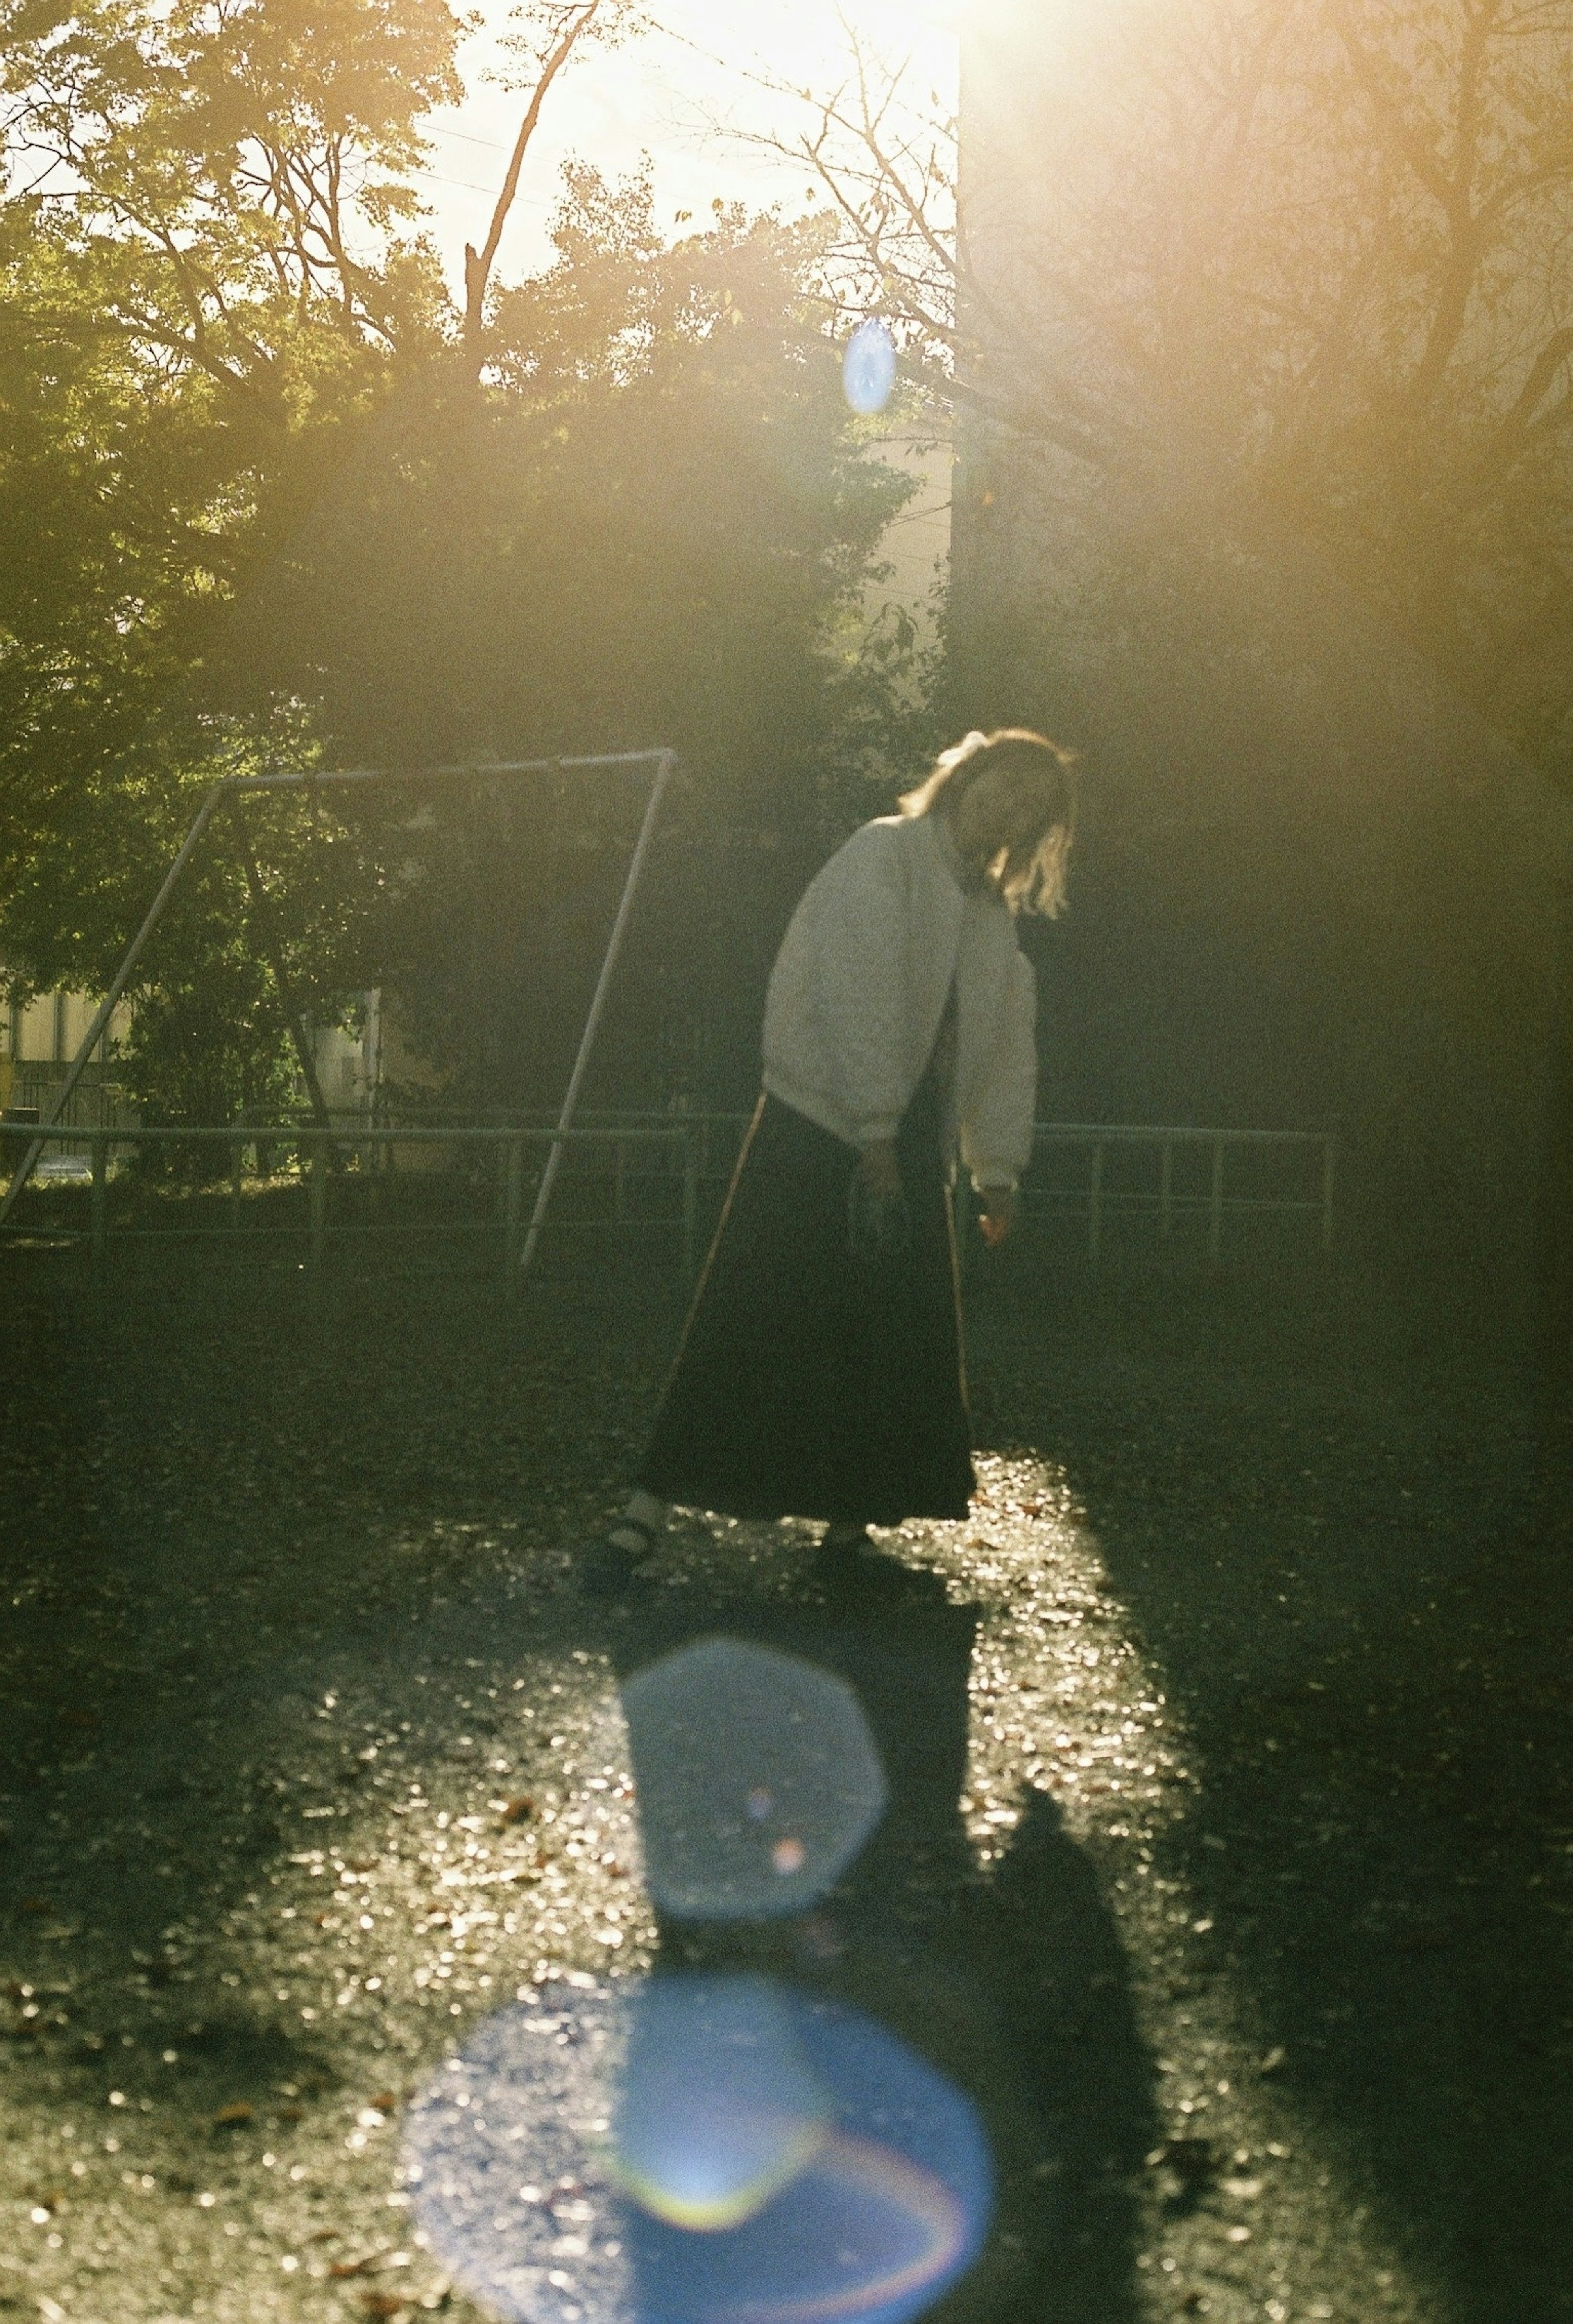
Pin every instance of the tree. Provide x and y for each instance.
(560, 27)
(208, 271)
(653, 527)
(1290, 268)
(271, 497)
(204, 234)
(212, 280)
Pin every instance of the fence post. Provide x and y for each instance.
(100, 1220)
(376, 1167)
(319, 1201)
(1329, 1160)
(1215, 1202)
(512, 1208)
(1166, 1190)
(690, 1206)
(1095, 1205)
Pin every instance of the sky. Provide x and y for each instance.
(687, 94)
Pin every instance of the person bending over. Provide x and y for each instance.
(821, 1373)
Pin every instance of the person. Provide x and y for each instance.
(819, 1373)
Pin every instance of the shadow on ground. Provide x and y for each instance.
(1328, 1515)
(1016, 1986)
(1323, 1512)
(218, 1500)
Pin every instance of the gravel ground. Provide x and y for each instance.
(1229, 1858)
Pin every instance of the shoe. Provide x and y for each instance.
(610, 1569)
(848, 1541)
(849, 1564)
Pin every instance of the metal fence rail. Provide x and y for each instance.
(1165, 1203)
(232, 789)
(320, 1150)
(98, 1102)
(718, 1137)
(686, 1151)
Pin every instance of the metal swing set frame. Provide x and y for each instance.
(234, 788)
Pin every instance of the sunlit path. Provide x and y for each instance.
(319, 1762)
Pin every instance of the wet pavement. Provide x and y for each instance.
(1228, 1858)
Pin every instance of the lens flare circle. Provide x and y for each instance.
(912, 2227)
(869, 367)
(756, 1776)
(552, 2163)
(719, 2110)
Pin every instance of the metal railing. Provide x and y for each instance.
(695, 1150)
(98, 1102)
(323, 1152)
(233, 790)
(1165, 1203)
(1100, 1201)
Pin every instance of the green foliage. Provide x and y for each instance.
(191, 312)
(191, 306)
(230, 964)
(653, 525)
(255, 507)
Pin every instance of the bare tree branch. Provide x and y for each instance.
(478, 263)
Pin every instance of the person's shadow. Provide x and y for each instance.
(1011, 1980)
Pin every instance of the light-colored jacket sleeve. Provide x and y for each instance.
(838, 994)
(996, 1132)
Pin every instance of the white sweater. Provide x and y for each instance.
(859, 987)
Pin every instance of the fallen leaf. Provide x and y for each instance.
(362, 2267)
(515, 1810)
(230, 2116)
(384, 2303)
(385, 2101)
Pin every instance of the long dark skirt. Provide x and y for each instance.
(808, 1383)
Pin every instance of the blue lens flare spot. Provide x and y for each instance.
(719, 2109)
(756, 1779)
(697, 2149)
(869, 367)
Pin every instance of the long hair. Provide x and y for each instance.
(1043, 777)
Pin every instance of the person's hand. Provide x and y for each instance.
(879, 1168)
(998, 1213)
